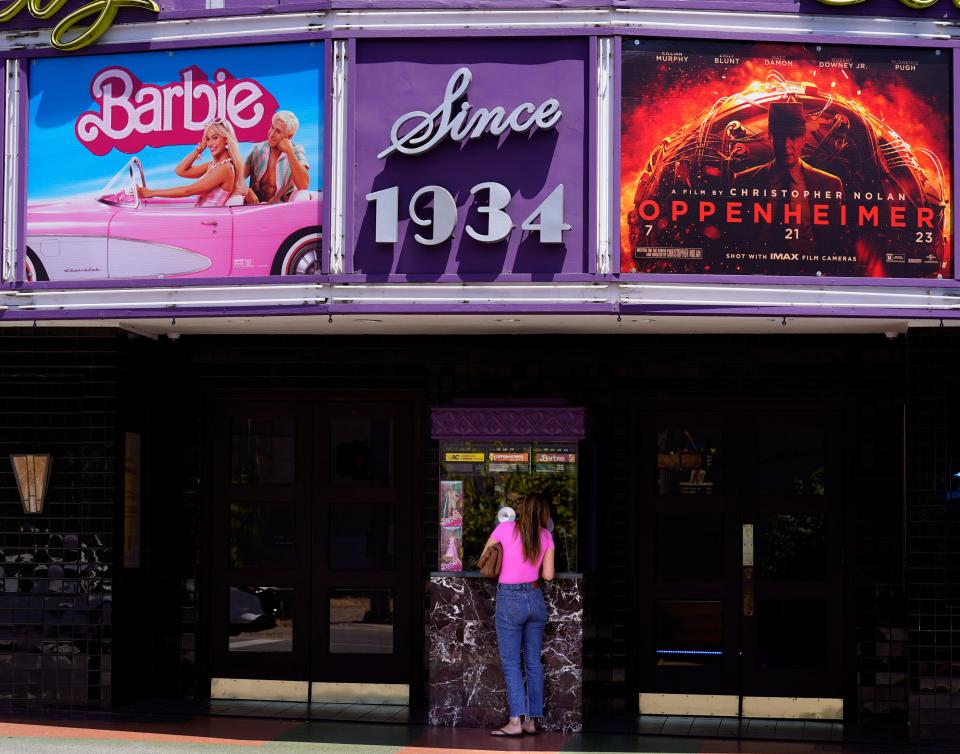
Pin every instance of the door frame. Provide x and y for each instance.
(641, 517)
(413, 402)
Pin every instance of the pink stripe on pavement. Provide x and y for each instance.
(206, 732)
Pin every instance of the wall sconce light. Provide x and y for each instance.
(32, 473)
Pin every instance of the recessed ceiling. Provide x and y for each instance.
(496, 324)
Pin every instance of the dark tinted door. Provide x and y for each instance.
(310, 540)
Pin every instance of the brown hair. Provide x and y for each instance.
(531, 518)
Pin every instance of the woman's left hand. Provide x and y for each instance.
(144, 193)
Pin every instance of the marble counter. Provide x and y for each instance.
(466, 683)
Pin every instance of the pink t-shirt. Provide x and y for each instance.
(514, 569)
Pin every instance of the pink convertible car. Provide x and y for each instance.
(122, 236)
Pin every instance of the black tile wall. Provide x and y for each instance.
(933, 533)
(58, 395)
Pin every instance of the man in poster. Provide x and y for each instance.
(787, 128)
(277, 167)
(788, 176)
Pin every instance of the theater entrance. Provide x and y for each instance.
(741, 562)
(310, 517)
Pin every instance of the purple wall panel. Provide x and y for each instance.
(397, 76)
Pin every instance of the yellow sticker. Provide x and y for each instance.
(469, 457)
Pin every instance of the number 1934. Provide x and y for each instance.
(546, 219)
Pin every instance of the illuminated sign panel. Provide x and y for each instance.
(776, 159)
(470, 157)
(176, 164)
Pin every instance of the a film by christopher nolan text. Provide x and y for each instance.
(762, 159)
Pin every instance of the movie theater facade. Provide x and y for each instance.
(298, 298)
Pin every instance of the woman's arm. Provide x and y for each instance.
(546, 569)
(186, 169)
(490, 543)
(205, 184)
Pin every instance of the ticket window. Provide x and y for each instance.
(478, 479)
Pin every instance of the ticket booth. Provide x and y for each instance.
(489, 459)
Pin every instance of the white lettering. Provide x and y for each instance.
(417, 131)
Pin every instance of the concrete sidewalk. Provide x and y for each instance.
(220, 734)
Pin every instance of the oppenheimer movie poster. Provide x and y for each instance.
(743, 158)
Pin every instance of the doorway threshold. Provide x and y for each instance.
(733, 727)
(343, 712)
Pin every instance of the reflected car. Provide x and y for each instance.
(121, 236)
(247, 612)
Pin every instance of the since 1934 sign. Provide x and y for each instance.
(470, 157)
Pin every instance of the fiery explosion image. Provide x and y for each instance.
(785, 160)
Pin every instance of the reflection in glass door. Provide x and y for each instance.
(743, 579)
(791, 496)
(309, 542)
(361, 572)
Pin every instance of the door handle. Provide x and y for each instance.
(209, 222)
(746, 583)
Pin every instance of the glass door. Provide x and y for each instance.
(741, 583)
(310, 540)
(694, 544)
(260, 548)
(362, 570)
(791, 611)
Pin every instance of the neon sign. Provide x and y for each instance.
(102, 12)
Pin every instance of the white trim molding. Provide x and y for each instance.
(11, 170)
(609, 296)
(604, 145)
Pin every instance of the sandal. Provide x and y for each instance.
(500, 732)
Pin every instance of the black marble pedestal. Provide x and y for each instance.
(466, 683)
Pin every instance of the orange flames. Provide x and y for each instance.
(664, 110)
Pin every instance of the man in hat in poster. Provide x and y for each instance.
(787, 130)
(794, 181)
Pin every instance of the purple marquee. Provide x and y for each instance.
(457, 114)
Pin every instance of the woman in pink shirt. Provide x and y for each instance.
(521, 612)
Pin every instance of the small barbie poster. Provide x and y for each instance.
(451, 503)
(451, 549)
(187, 163)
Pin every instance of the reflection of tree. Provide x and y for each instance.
(794, 546)
(485, 494)
(811, 486)
(261, 534)
(246, 526)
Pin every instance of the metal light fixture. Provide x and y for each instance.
(32, 473)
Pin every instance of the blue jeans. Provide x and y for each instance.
(521, 618)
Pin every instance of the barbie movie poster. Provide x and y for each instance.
(176, 164)
(746, 158)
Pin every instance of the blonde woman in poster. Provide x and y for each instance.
(521, 613)
(216, 180)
